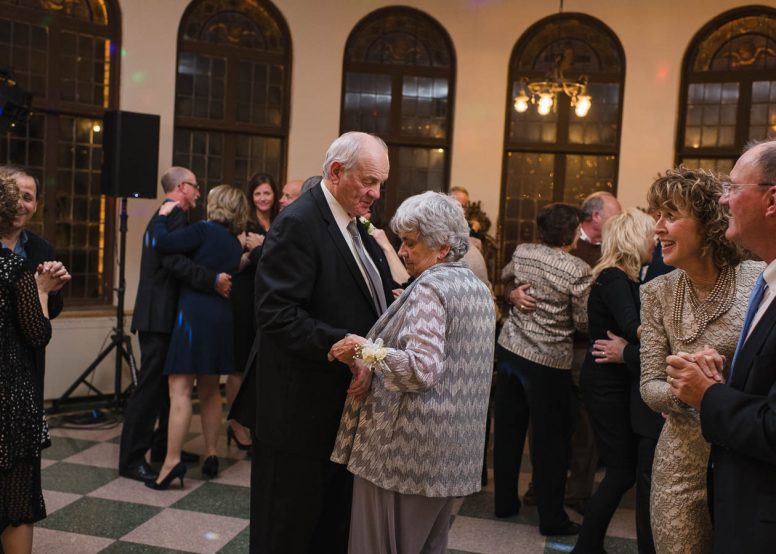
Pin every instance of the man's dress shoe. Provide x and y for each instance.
(141, 472)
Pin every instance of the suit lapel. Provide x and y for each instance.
(752, 346)
(340, 245)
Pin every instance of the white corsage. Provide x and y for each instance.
(370, 228)
(372, 353)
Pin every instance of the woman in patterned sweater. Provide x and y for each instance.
(415, 441)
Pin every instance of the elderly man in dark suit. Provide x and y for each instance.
(739, 418)
(38, 252)
(153, 318)
(320, 277)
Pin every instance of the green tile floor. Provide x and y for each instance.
(91, 509)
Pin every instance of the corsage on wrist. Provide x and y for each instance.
(372, 353)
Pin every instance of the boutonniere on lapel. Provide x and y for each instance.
(370, 228)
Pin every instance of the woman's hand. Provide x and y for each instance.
(253, 240)
(362, 380)
(709, 361)
(242, 238)
(58, 271)
(345, 349)
(167, 208)
(609, 351)
(47, 278)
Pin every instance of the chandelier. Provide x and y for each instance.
(544, 93)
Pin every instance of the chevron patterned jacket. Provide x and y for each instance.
(421, 428)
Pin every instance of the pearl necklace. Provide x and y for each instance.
(719, 301)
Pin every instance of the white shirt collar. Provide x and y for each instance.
(583, 236)
(340, 214)
(770, 275)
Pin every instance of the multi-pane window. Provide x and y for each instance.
(232, 92)
(64, 53)
(729, 88)
(560, 156)
(398, 83)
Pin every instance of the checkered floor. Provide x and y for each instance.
(92, 509)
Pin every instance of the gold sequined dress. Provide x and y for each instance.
(681, 522)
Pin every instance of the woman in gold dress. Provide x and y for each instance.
(702, 303)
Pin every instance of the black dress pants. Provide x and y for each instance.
(149, 401)
(299, 504)
(606, 393)
(530, 392)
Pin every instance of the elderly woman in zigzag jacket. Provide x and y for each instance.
(414, 439)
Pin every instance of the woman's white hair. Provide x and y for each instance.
(438, 219)
(345, 150)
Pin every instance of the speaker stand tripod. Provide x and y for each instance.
(119, 340)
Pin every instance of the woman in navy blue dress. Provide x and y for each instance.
(201, 346)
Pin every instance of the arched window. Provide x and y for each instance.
(560, 156)
(728, 88)
(65, 54)
(398, 83)
(232, 91)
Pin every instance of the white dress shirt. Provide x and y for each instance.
(770, 279)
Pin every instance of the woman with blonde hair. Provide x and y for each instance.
(201, 346)
(702, 303)
(606, 383)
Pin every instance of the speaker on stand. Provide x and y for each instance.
(130, 164)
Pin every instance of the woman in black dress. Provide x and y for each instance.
(201, 342)
(613, 308)
(24, 328)
(263, 197)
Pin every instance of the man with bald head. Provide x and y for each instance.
(320, 277)
(738, 418)
(153, 318)
(291, 191)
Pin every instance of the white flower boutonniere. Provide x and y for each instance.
(370, 228)
(372, 353)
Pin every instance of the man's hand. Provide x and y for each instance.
(57, 271)
(362, 380)
(253, 240)
(688, 381)
(224, 284)
(345, 350)
(523, 301)
(709, 360)
(609, 351)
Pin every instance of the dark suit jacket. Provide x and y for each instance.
(157, 291)
(309, 294)
(739, 420)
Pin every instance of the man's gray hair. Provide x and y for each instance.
(310, 183)
(173, 177)
(438, 219)
(594, 203)
(767, 159)
(345, 150)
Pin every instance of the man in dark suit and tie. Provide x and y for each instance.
(38, 252)
(738, 418)
(320, 277)
(154, 314)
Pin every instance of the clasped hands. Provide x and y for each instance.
(344, 351)
(690, 375)
(51, 276)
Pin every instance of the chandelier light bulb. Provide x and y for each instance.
(545, 103)
(521, 103)
(583, 105)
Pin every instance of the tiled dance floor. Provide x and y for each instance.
(91, 509)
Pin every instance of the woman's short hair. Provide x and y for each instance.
(255, 182)
(227, 204)
(696, 193)
(557, 224)
(9, 204)
(437, 219)
(624, 242)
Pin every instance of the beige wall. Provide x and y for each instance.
(654, 35)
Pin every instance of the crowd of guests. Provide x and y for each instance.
(360, 376)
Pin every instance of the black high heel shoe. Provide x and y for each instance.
(178, 471)
(210, 467)
(230, 436)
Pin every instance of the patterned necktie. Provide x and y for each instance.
(374, 282)
(754, 303)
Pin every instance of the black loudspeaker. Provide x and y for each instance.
(130, 146)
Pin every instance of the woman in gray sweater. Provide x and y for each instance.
(415, 440)
(534, 361)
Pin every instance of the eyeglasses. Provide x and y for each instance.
(728, 187)
(194, 185)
